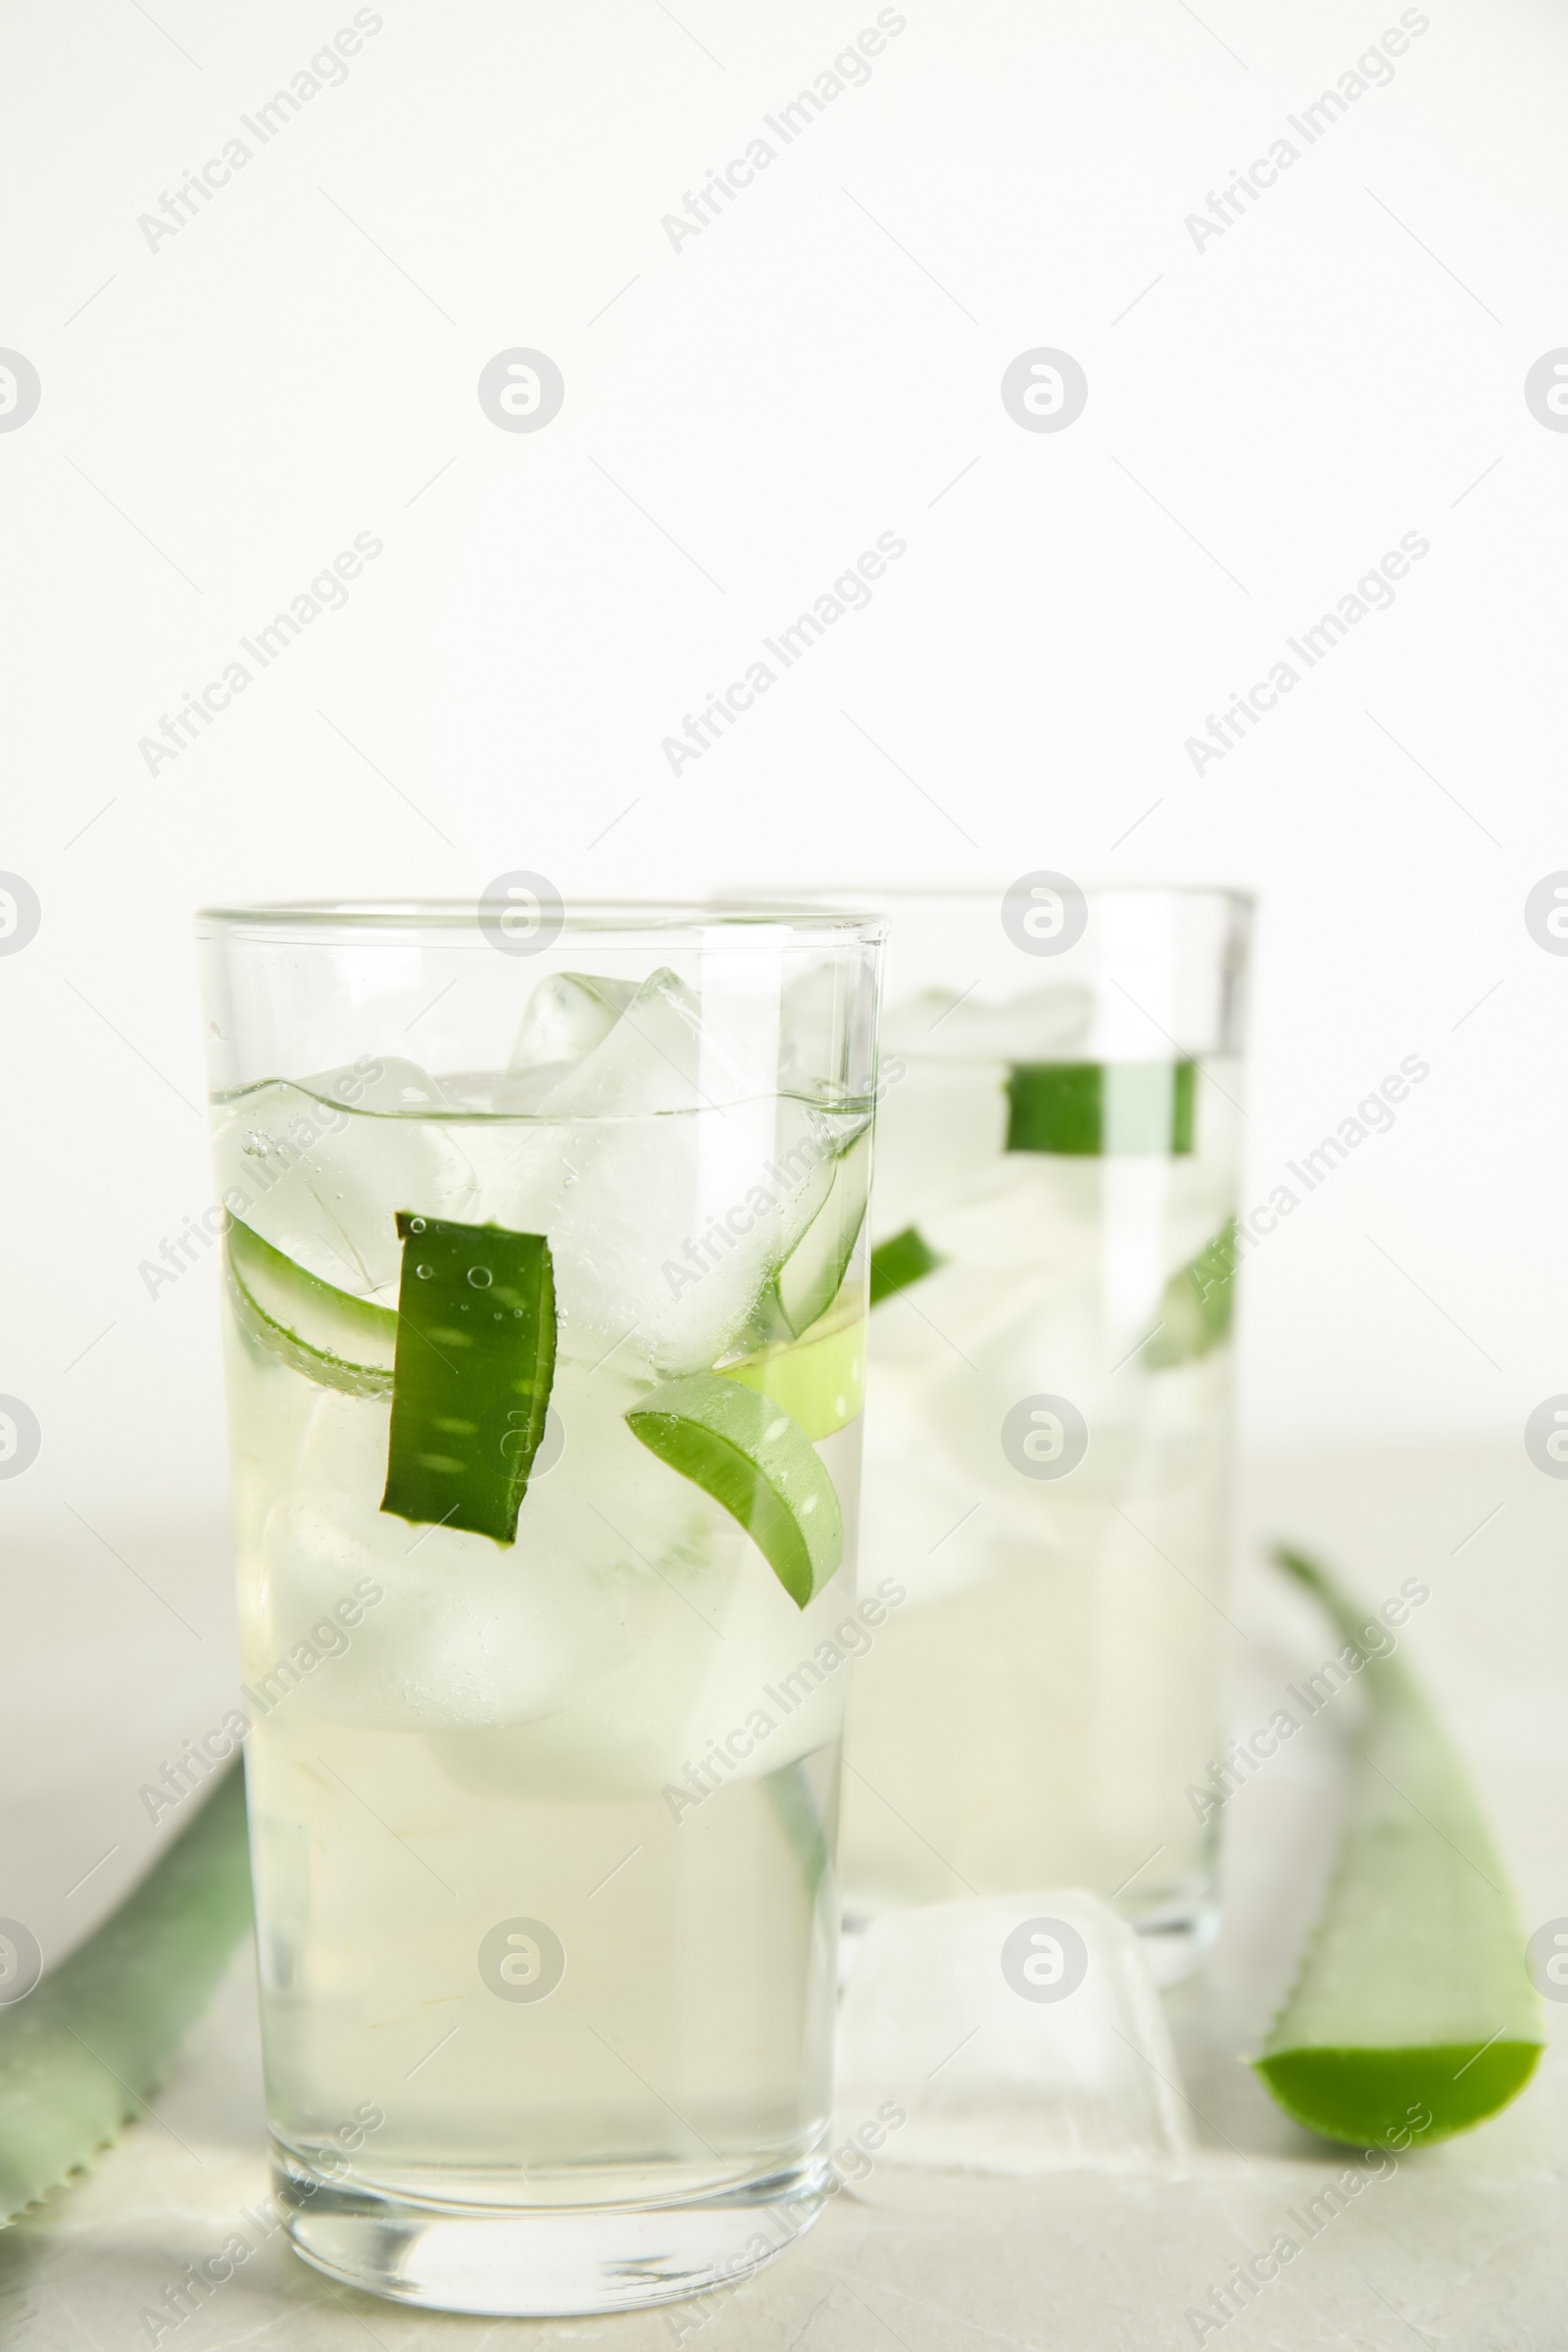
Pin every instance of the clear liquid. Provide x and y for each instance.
(603, 1727)
(1033, 1715)
(685, 2048)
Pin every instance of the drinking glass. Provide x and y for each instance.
(1049, 1426)
(544, 1336)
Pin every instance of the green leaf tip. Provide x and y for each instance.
(80, 2053)
(1412, 1998)
(1372, 2097)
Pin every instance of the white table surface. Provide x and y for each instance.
(1465, 2246)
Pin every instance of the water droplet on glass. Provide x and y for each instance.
(415, 1224)
(425, 1272)
(480, 1277)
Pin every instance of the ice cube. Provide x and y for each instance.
(670, 1227)
(390, 1084)
(1023, 1210)
(687, 1183)
(1051, 1344)
(322, 1177)
(469, 1632)
(1021, 1306)
(566, 1016)
(628, 1629)
(1021, 2035)
(726, 1679)
(941, 1130)
(827, 1017)
(664, 1054)
(1048, 1024)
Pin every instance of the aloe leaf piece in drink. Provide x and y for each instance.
(1094, 1110)
(80, 2052)
(470, 1385)
(1411, 2010)
(819, 1380)
(789, 1791)
(812, 1275)
(904, 1259)
(338, 1341)
(747, 1453)
(1197, 1307)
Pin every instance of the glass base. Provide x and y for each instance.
(550, 2262)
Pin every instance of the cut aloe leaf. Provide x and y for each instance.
(1412, 2014)
(790, 1794)
(897, 1262)
(475, 1360)
(1094, 1110)
(1197, 1307)
(810, 1279)
(746, 1452)
(334, 1338)
(820, 1380)
(80, 2052)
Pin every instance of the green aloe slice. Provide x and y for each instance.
(80, 2054)
(470, 1386)
(1412, 2001)
(746, 1452)
(897, 1262)
(790, 1794)
(811, 1276)
(1092, 1109)
(1197, 1307)
(334, 1338)
(820, 1380)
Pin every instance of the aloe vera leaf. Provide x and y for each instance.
(80, 2052)
(334, 1338)
(746, 1452)
(470, 1386)
(789, 1791)
(1197, 1307)
(810, 1277)
(820, 1380)
(1411, 2000)
(1091, 1110)
(895, 1263)
(800, 1290)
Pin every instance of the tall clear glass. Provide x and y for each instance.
(543, 1328)
(1049, 1428)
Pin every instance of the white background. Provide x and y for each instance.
(222, 414)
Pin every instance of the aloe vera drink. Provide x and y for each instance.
(544, 1380)
(1049, 1424)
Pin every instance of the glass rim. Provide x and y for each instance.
(733, 917)
(979, 893)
